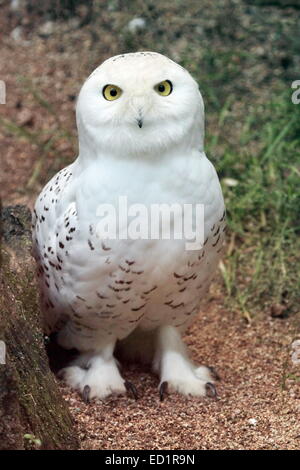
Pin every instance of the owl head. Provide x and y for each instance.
(139, 104)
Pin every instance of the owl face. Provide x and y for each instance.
(139, 103)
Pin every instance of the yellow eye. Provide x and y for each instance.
(111, 92)
(164, 88)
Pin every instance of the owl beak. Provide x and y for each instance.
(138, 107)
(139, 119)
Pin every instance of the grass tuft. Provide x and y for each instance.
(262, 193)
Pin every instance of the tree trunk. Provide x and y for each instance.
(30, 401)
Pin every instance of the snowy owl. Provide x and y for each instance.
(140, 119)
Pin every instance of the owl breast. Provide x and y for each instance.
(107, 287)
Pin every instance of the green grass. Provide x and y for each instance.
(261, 268)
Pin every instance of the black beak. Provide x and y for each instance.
(140, 123)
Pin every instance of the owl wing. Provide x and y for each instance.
(54, 221)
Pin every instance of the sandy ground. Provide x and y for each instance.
(258, 405)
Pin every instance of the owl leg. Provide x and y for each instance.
(177, 372)
(95, 374)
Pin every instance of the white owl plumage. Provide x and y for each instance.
(143, 294)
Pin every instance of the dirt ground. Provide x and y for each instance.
(258, 406)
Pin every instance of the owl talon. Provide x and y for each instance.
(61, 374)
(214, 373)
(86, 394)
(132, 389)
(211, 390)
(163, 390)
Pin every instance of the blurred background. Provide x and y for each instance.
(245, 54)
